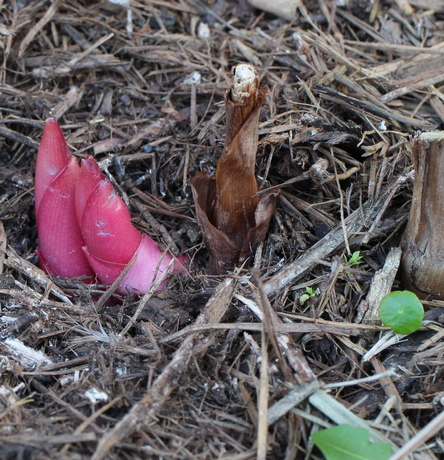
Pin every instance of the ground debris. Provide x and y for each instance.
(249, 365)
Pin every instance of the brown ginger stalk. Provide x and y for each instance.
(236, 184)
(422, 262)
(234, 219)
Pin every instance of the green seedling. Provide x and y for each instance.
(355, 259)
(309, 293)
(402, 311)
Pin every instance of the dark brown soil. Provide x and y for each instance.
(189, 372)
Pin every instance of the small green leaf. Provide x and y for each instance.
(346, 442)
(402, 311)
(355, 259)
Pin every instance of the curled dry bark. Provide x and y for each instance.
(233, 217)
(423, 257)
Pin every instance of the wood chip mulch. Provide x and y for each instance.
(250, 365)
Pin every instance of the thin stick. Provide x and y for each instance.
(144, 411)
(355, 223)
(262, 430)
(421, 437)
(49, 14)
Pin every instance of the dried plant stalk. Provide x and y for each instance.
(236, 183)
(234, 219)
(422, 262)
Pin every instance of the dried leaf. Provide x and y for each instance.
(217, 242)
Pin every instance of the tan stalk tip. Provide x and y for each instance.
(245, 82)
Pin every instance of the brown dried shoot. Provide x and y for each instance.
(233, 217)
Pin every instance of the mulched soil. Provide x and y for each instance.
(189, 372)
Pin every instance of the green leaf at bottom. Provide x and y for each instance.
(345, 442)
